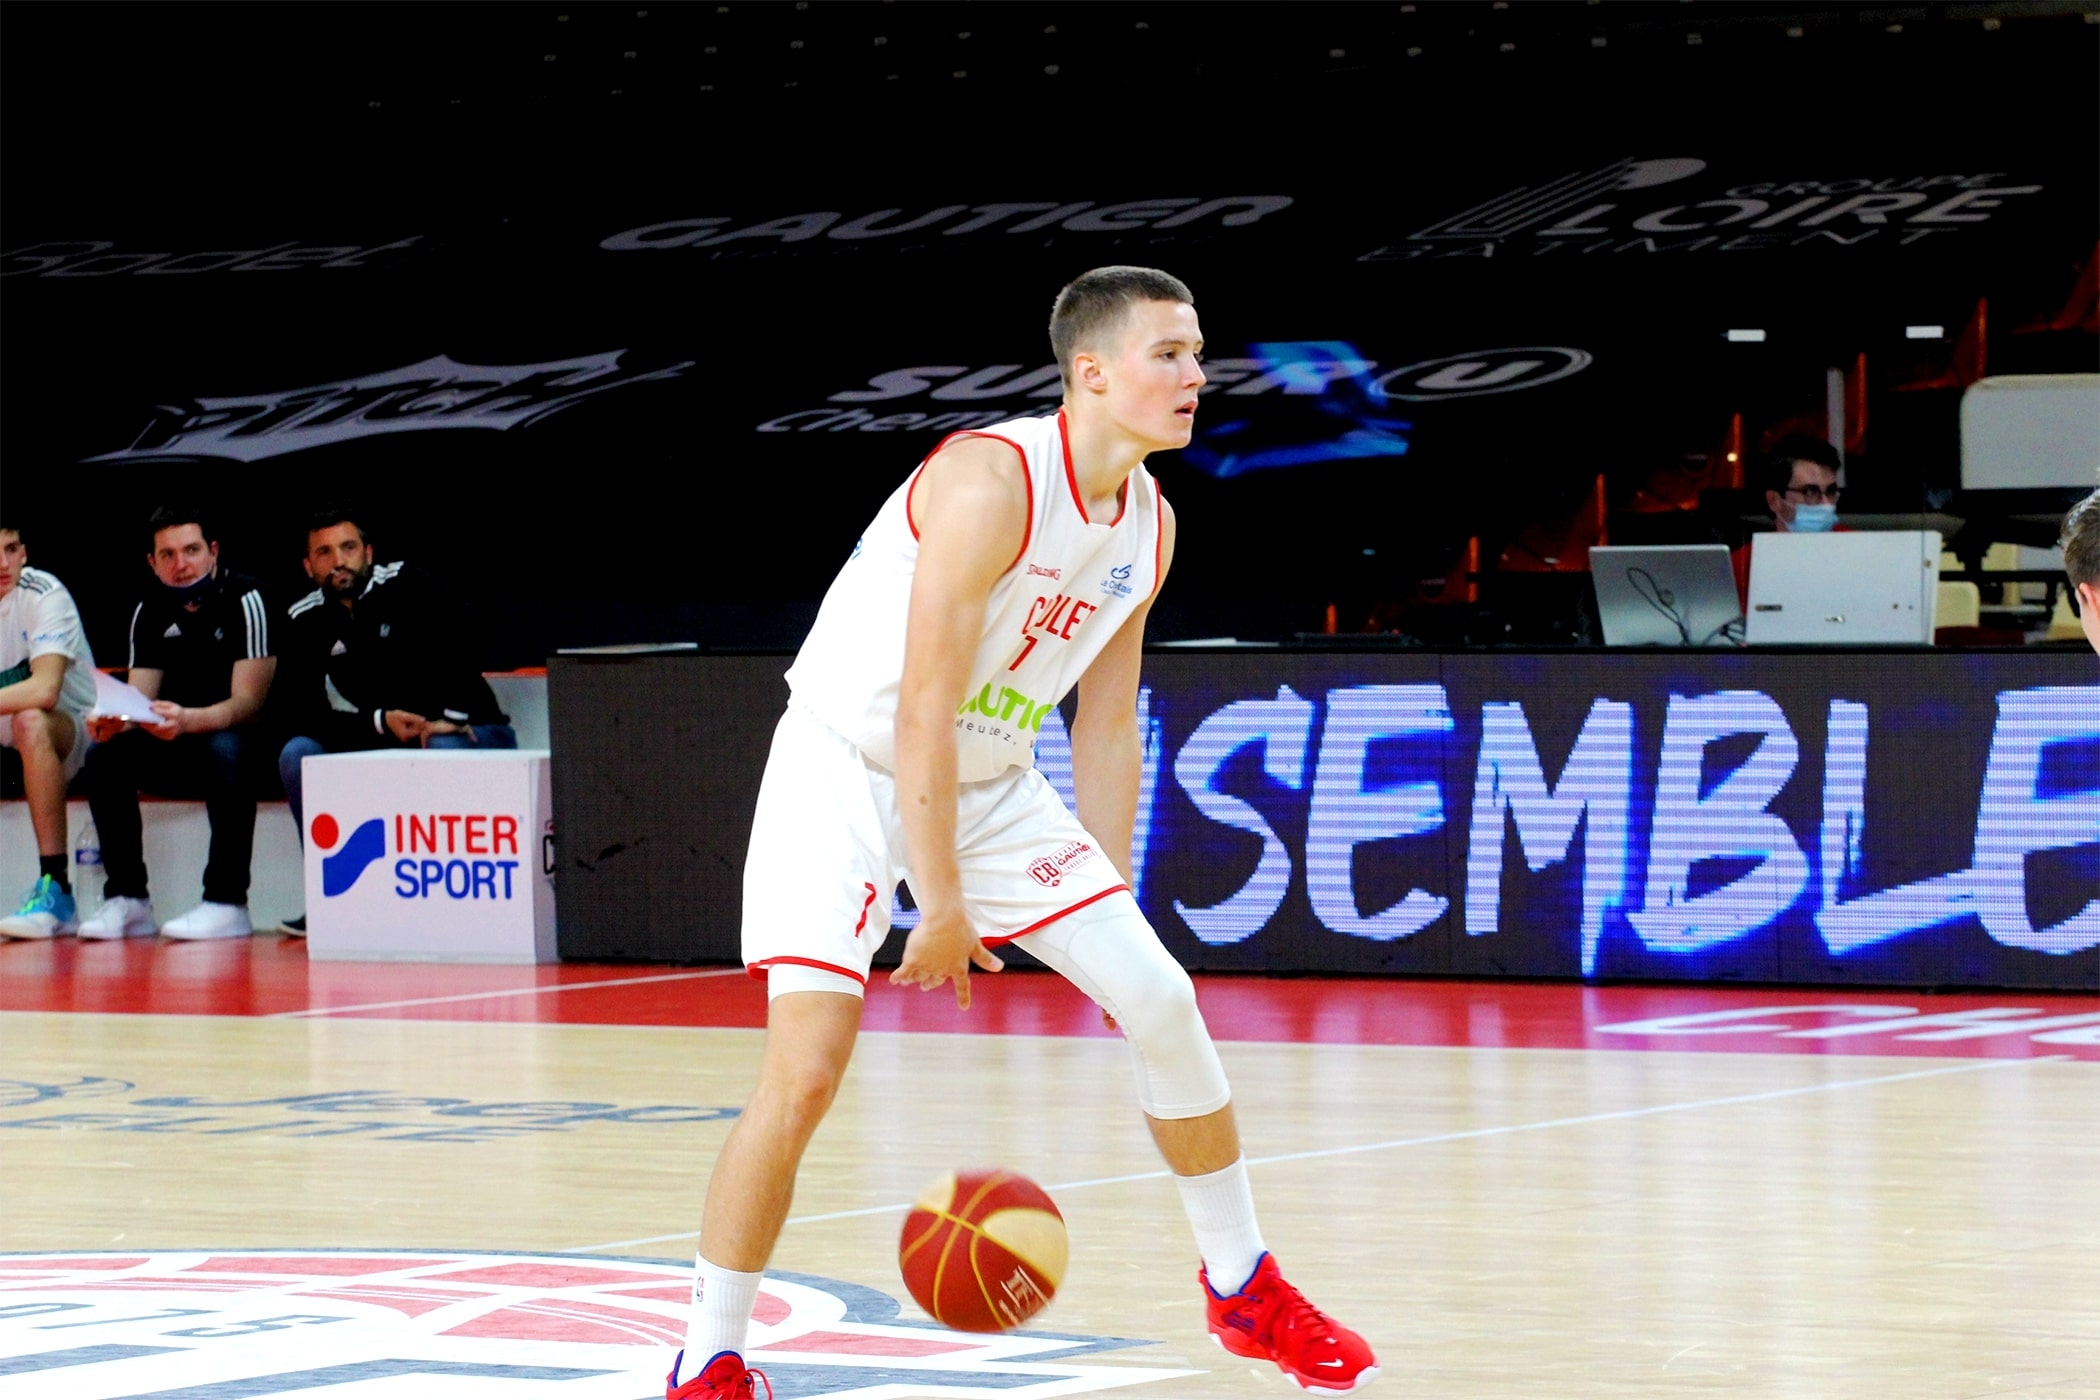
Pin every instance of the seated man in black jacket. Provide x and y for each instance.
(376, 657)
(200, 651)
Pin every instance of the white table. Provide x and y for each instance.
(430, 856)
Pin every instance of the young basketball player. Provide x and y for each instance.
(1015, 563)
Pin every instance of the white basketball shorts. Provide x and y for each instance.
(827, 851)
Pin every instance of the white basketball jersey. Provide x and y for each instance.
(38, 618)
(1072, 587)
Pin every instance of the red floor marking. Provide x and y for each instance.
(563, 1321)
(540, 1276)
(267, 976)
(334, 1265)
(405, 1303)
(668, 1293)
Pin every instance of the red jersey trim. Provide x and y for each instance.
(1045, 923)
(1027, 483)
(1064, 440)
(1072, 480)
(758, 969)
(1159, 538)
(917, 472)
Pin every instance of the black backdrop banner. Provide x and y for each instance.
(1906, 819)
(579, 360)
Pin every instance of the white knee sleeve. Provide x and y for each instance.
(1110, 952)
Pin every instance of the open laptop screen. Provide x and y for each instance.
(1672, 595)
(1844, 589)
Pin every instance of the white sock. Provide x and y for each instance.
(722, 1303)
(1221, 1210)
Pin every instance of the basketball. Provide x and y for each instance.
(983, 1251)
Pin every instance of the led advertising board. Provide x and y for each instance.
(1905, 818)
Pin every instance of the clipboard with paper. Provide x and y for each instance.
(116, 700)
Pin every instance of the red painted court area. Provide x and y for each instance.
(273, 977)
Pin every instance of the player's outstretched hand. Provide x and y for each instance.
(940, 948)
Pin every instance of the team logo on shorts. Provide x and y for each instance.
(1049, 871)
(100, 1326)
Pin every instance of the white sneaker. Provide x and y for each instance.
(120, 917)
(209, 920)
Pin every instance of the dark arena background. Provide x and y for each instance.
(627, 317)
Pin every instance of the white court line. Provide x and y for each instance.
(1616, 1115)
(547, 989)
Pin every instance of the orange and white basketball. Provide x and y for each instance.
(983, 1251)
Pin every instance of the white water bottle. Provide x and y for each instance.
(87, 869)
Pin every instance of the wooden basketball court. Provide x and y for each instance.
(232, 1173)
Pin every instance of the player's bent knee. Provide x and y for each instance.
(809, 1043)
(802, 1091)
(1179, 1075)
(33, 730)
(1112, 953)
(1160, 1006)
(799, 1086)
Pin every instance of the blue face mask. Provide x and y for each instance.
(186, 593)
(1814, 519)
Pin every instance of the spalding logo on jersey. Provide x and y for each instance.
(99, 1326)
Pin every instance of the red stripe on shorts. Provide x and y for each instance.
(758, 969)
(1044, 923)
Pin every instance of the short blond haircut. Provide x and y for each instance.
(1094, 303)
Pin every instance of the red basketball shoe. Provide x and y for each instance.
(724, 1378)
(1270, 1320)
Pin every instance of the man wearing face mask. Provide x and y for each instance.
(200, 650)
(1800, 477)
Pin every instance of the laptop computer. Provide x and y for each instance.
(1669, 595)
(1844, 589)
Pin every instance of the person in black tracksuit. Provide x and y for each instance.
(200, 650)
(377, 656)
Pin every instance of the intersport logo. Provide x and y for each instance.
(441, 855)
(439, 392)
